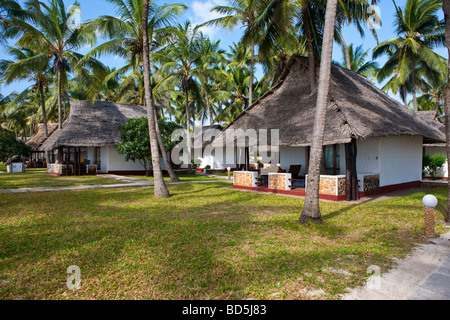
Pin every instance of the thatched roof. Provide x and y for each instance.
(39, 137)
(431, 117)
(356, 108)
(92, 125)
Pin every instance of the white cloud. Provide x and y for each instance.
(202, 13)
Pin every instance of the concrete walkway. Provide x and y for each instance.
(125, 182)
(423, 275)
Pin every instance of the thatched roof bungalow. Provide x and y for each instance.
(88, 137)
(38, 156)
(387, 136)
(39, 137)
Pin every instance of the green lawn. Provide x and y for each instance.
(205, 242)
(35, 179)
(183, 177)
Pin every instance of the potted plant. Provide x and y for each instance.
(196, 165)
(207, 167)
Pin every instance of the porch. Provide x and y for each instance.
(77, 161)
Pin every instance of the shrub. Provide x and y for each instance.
(10, 147)
(432, 163)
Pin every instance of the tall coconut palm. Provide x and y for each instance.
(9, 11)
(419, 30)
(181, 57)
(125, 35)
(53, 36)
(209, 56)
(26, 67)
(311, 209)
(160, 188)
(446, 9)
(356, 60)
(241, 12)
(277, 17)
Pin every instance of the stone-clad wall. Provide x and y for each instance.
(279, 181)
(245, 178)
(331, 185)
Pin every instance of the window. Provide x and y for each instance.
(331, 159)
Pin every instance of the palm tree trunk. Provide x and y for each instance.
(208, 105)
(59, 100)
(252, 69)
(446, 9)
(188, 128)
(311, 209)
(346, 53)
(160, 189)
(44, 115)
(173, 176)
(413, 84)
(309, 41)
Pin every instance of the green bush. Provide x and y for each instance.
(10, 147)
(432, 163)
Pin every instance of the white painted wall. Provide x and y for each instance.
(368, 156)
(400, 160)
(293, 156)
(116, 161)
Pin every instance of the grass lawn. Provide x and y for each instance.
(183, 177)
(35, 179)
(205, 242)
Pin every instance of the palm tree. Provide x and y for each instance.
(9, 11)
(446, 9)
(210, 56)
(160, 188)
(311, 209)
(26, 67)
(52, 36)
(419, 30)
(356, 61)
(125, 34)
(244, 12)
(181, 57)
(277, 17)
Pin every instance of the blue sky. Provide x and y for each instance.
(199, 12)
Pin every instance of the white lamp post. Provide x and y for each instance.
(430, 202)
(229, 173)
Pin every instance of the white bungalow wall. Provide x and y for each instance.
(293, 156)
(397, 159)
(116, 161)
(400, 160)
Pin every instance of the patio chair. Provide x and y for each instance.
(294, 170)
(296, 180)
(263, 178)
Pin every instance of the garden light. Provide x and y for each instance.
(429, 202)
